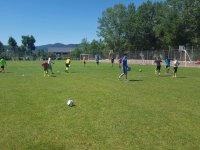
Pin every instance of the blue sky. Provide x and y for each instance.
(53, 21)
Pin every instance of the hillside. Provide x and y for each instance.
(59, 45)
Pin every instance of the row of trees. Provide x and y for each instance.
(13, 50)
(152, 26)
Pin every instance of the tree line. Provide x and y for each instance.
(152, 26)
(14, 51)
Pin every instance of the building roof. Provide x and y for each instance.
(60, 49)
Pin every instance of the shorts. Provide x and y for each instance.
(124, 69)
(46, 69)
(167, 66)
(67, 65)
(158, 68)
(175, 69)
(49, 66)
(2, 67)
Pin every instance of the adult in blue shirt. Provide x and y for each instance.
(124, 67)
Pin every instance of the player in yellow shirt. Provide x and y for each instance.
(67, 64)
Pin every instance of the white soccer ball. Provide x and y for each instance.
(70, 103)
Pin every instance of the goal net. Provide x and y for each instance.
(87, 56)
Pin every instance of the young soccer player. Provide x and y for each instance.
(45, 66)
(158, 66)
(84, 60)
(49, 65)
(97, 60)
(176, 64)
(124, 67)
(120, 63)
(2, 64)
(167, 63)
(67, 64)
(112, 60)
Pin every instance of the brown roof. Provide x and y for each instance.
(60, 49)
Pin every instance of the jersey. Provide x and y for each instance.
(2, 62)
(124, 62)
(158, 62)
(68, 61)
(45, 65)
(167, 62)
(176, 63)
(49, 60)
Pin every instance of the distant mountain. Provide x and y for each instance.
(57, 45)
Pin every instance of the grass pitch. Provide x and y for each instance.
(147, 112)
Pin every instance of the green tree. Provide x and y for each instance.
(1, 48)
(112, 27)
(28, 43)
(191, 14)
(12, 46)
(182, 22)
(85, 46)
(76, 53)
(145, 37)
(130, 27)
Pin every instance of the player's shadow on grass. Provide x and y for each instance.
(53, 75)
(181, 77)
(6, 72)
(135, 80)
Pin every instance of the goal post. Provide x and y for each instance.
(87, 56)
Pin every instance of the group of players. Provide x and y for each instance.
(122, 64)
(47, 65)
(158, 62)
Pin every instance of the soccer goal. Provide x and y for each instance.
(183, 49)
(87, 56)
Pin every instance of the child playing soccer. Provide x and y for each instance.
(112, 60)
(167, 63)
(120, 63)
(176, 64)
(84, 61)
(2, 64)
(158, 66)
(45, 66)
(67, 64)
(49, 64)
(97, 60)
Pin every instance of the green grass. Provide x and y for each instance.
(147, 112)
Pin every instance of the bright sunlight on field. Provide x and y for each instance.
(146, 112)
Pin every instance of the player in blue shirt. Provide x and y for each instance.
(167, 63)
(97, 59)
(124, 67)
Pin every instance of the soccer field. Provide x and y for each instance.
(146, 112)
